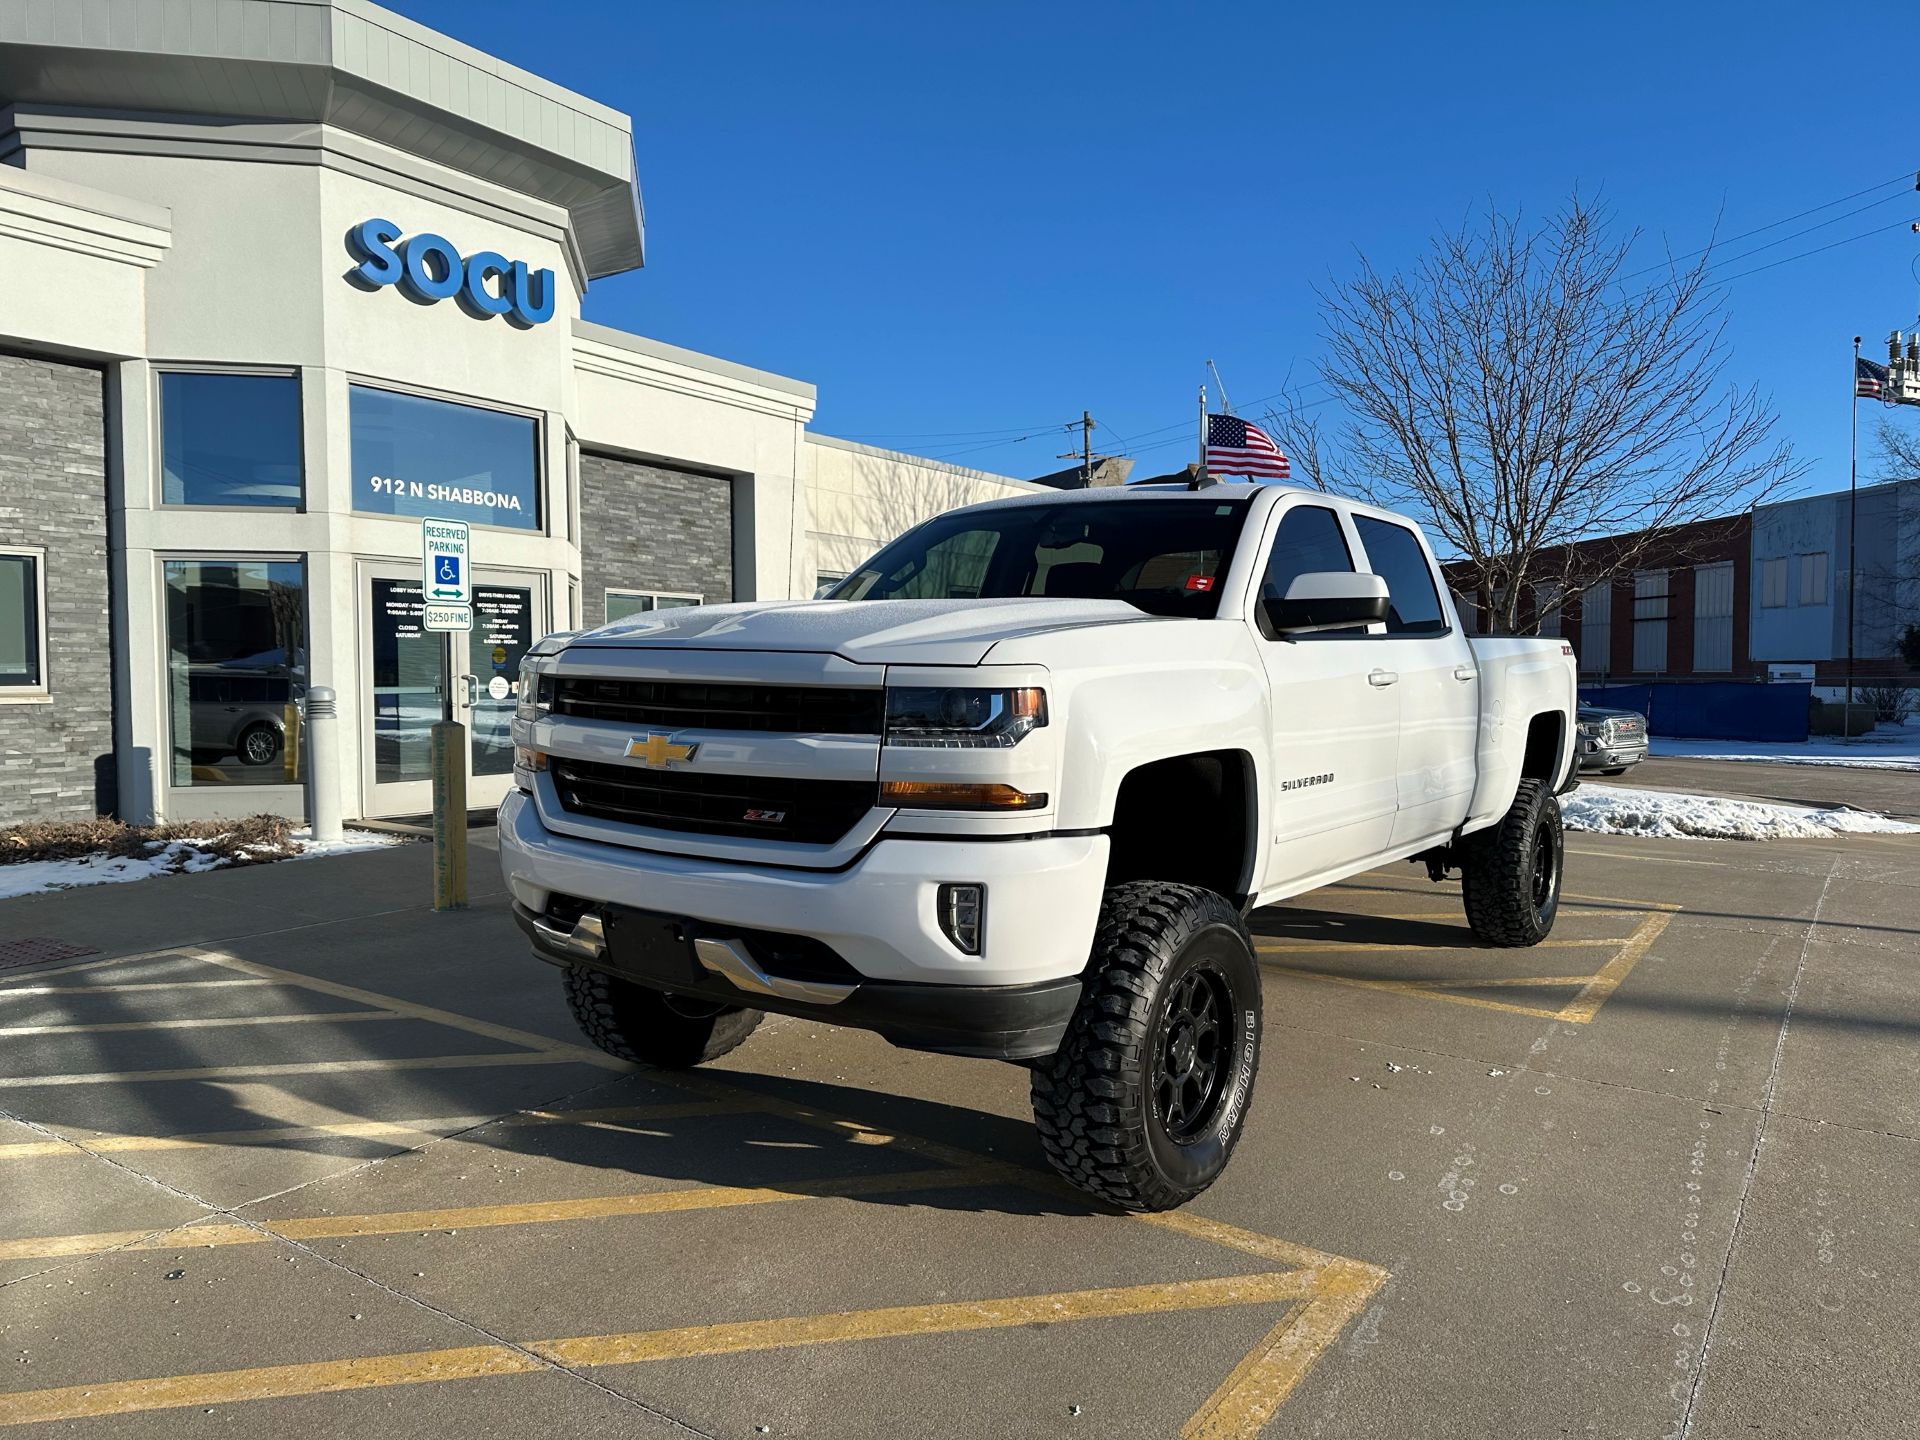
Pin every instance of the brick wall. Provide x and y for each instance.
(53, 494)
(643, 527)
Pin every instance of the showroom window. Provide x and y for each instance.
(236, 670)
(23, 624)
(229, 439)
(414, 456)
(623, 603)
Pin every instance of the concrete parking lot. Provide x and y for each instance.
(292, 1155)
(1892, 792)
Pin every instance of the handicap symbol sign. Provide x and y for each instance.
(446, 569)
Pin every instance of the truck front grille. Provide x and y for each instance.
(690, 705)
(767, 807)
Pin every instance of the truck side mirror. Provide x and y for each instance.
(1325, 600)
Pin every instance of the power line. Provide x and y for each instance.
(1796, 234)
(1863, 235)
(1776, 224)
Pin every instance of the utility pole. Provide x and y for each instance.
(1085, 452)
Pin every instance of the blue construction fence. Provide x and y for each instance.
(1715, 710)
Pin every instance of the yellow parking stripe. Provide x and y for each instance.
(584, 1054)
(343, 1017)
(10, 992)
(1259, 1385)
(313, 1067)
(266, 1382)
(430, 1127)
(482, 1217)
(1330, 947)
(74, 1402)
(1588, 1002)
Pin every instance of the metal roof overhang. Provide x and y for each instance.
(344, 63)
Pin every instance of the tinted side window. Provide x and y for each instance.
(1395, 554)
(1309, 540)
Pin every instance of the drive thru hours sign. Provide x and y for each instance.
(446, 575)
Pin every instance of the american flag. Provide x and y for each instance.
(1236, 448)
(1869, 379)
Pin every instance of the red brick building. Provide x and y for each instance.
(1679, 612)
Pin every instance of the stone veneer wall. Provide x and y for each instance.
(56, 756)
(643, 527)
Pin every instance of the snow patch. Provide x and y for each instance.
(1891, 747)
(1617, 810)
(176, 857)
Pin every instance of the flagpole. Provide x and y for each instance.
(1853, 482)
(1203, 432)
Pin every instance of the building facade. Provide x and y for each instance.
(286, 277)
(1802, 552)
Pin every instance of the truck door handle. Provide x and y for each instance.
(1382, 678)
(1464, 672)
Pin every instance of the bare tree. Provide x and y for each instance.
(1899, 451)
(1520, 391)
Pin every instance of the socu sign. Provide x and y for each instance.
(428, 268)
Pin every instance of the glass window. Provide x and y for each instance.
(236, 670)
(20, 612)
(1310, 540)
(414, 456)
(1813, 578)
(405, 696)
(1163, 556)
(1394, 552)
(229, 439)
(1773, 583)
(501, 636)
(623, 603)
(825, 580)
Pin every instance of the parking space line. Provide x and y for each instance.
(1322, 1293)
(115, 1027)
(488, 1217)
(432, 1127)
(312, 1067)
(1334, 947)
(584, 1054)
(11, 992)
(1594, 989)
(266, 1382)
(74, 1402)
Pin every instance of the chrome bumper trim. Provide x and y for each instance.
(729, 960)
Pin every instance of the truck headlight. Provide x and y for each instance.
(954, 718)
(536, 693)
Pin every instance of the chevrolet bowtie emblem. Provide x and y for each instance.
(657, 750)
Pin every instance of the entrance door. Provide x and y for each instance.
(509, 614)
(403, 664)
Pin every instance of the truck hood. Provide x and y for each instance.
(871, 632)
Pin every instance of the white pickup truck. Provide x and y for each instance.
(1010, 789)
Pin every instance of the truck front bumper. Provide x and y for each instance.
(907, 979)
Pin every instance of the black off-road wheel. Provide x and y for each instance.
(1510, 873)
(649, 1027)
(1143, 1103)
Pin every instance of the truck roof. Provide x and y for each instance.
(1220, 489)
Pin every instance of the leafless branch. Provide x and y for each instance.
(1515, 394)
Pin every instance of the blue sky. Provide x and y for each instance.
(967, 222)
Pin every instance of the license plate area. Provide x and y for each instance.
(652, 947)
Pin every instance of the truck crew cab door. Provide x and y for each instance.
(1331, 788)
(1438, 683)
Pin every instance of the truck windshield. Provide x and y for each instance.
(1165, 556)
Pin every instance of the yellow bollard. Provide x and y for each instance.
(449, 749)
